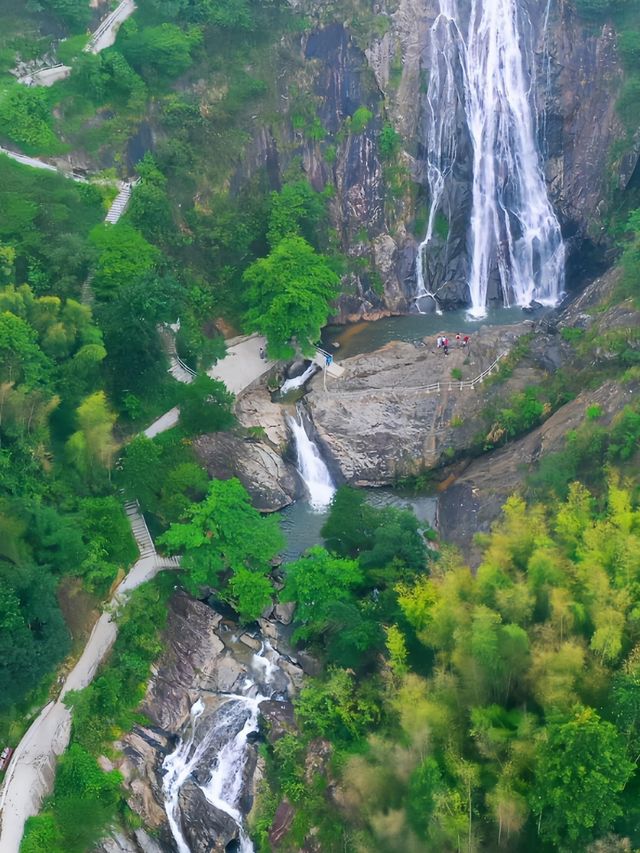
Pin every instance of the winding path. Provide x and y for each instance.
(31, 771)
(241, 367)
(106, 33)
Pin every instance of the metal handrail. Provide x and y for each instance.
(448, 384)
(185, 367)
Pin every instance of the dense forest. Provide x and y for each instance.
(459, 704)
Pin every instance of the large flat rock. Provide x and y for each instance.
(380, 422)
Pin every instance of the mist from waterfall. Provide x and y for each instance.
(490, 73)
(311, 466)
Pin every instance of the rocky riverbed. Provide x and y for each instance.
(207, 659)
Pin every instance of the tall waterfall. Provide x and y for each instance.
(228, 735)
(489, 72)
(311, 466)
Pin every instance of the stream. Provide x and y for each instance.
(216, 746)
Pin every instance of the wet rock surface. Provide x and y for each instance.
(205, 660)
(271, 482)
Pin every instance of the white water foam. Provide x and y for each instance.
(298, 381)
(514, 233)
(230, 727)
(311, 466)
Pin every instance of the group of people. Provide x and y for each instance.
(443, 342)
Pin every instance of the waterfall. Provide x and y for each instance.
(311, 466)
(513, 232)
(228, 733)
(442, 138)
(298, 381)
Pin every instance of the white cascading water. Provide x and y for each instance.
(228, 729)
(298, 381)
(442, 138)
(311, 466)
(513, 231)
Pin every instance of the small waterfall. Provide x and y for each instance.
(311, 466)
(228, 732)
(298, 381)
(514, 232)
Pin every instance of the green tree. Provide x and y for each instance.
(124, 257)
(249, 593)
(206, 406)
(163, 51)
(336, 707)
(73, 12)
(289, 292)
(21, 359)
(92, 447)
(224, 533)
(581, 770)
(295, 211)
(135, 359)
(316, 582)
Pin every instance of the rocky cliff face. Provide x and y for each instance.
(206, 658)
(475, 499)
(354, 56)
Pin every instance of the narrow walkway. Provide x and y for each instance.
(325, 360)
(239, 369)
(106, 33)
(120, 202)
(33, 162)
(46, 76)
(31, 772)
(243, 365)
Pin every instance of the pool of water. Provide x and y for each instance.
(366, 337)
(301, 523)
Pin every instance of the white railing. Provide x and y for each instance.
(107, 23)
(461, 384)
(444, 384)
(185, 367)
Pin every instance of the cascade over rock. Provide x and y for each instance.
(577, 76)
(191, 771)
(482, 95)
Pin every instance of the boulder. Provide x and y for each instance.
(205, 827)
(383, 420)
(270, 481)
(283, 612)
(255, 409)
(281, 825)
(278, 718)
(192, 650)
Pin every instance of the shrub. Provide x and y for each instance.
(389, 141)
(593, 412)
(360, 119)
(571, 334)
(25, 118)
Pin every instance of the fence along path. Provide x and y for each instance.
(444, 384)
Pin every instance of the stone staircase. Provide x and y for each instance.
(119, 204)
(139, 529)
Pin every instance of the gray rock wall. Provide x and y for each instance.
(342, 66)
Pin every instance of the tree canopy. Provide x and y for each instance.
(289, 292)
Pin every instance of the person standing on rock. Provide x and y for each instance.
(262, 353)
(458, 339)
(445, 346)
(438, 341)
